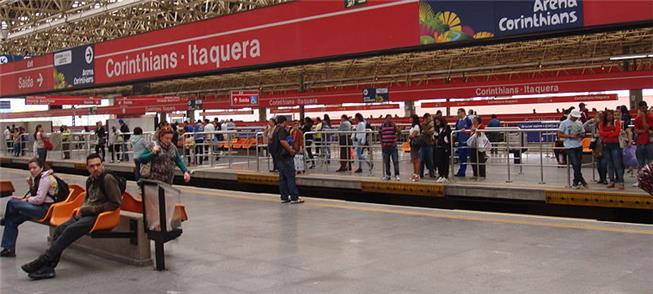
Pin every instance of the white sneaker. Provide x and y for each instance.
(439, 180)
(385, 178)
(444, 181)
(397, 178)
(636, 184)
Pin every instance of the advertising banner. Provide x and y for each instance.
(73, 68)
(375, 95)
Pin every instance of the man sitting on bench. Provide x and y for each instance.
(102, 194)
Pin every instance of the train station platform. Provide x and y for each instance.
(236, 242)
(524, 194)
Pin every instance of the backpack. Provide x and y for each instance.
(645, 178)
(122, 183)
(62, 190)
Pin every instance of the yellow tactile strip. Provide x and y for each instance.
(258, 179)
(600, 199)
(417, 189)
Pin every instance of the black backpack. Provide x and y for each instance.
(62, 190)
(122, 183)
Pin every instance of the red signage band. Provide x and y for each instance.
(149, 100)
(338, 108)
(62, 100)
(227, 112)
(514, 101)
(27, 76)
(262, 36)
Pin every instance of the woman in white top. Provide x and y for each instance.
(414, 135)
(115, 141)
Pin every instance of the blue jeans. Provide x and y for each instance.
(463, 153)
(287, 183)
(575, 159)
(602, 168)
(360, 156)
(388, 154)
(615, 157)
(644, 154)
(42, 154)
(16, 213)
(137, 170)
(426, 157)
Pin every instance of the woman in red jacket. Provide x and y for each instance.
(609, 131)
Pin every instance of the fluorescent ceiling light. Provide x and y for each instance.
(625, 57)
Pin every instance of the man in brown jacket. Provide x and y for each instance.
(102, 194)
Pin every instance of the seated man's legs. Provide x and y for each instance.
(64, 235)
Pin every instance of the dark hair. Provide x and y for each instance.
(37, 161)
(414, 120)
(138, 131)
(327, 119)
(605, 116)
(642, 104)
(427, 115)
(283, 119)
(494, 116)
(443, 121)
(359, 117)
(37, 131)
(462, 109)
(623, 108)
(35, 186)
(93, 156)
(478, 118)
(307, 120)
(344, 116)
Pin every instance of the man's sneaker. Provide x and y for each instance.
(34, 265)
(636, 184)
(285, 200)
(44, 272)
(6, 252)
(298, 201)
(385, 178)
(444, 181)
(397, 178)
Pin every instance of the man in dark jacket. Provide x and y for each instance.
(102, 194)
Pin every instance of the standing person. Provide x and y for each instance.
(463, 124)
(643, 121)
(625, 117)
(318, 137)
(124, 129)
(359, 138)
(138, 145)
(584, 112)
(609, 130)
(494, 137)
(344, 139)
(477, 148)
(426, 150)
(102, 194)
(592, 127)
(65, 141)
(268, 137)
(284, 154)
(17, 141)
(34, 205)
(308, 127)
(209, 129)
(163, 156)
(571, 132)
(415, 135)
(39, 143)
(442, 148)
(8, 141)
(198, 129)
(101, 134)
(296, 140)
(326, 126)
(115, 141)
(389, 133)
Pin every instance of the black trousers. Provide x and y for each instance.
(441, 158)
(478, 160)
(99, 149)
(66, 234)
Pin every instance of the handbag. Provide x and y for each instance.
(146, 169)
(47, 144)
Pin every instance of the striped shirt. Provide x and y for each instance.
(388, 135)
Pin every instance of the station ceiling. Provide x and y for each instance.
(37, 27)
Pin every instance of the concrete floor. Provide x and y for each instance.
(240, 242)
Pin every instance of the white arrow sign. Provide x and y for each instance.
(40, 80)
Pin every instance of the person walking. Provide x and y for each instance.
(462, 126)
(65, 141)
(101, 134)
(345, 142)
(284, 153)
(571, 132)
(359, 137)
(162, 156)
(442, 148)
(39, 143)
(389, 133)
(124, 130)
(426, 150)
(139, 146)
(415, 137)
(42, 186)
(610, 130)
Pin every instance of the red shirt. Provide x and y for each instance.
(642, 135)
(610, 134)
